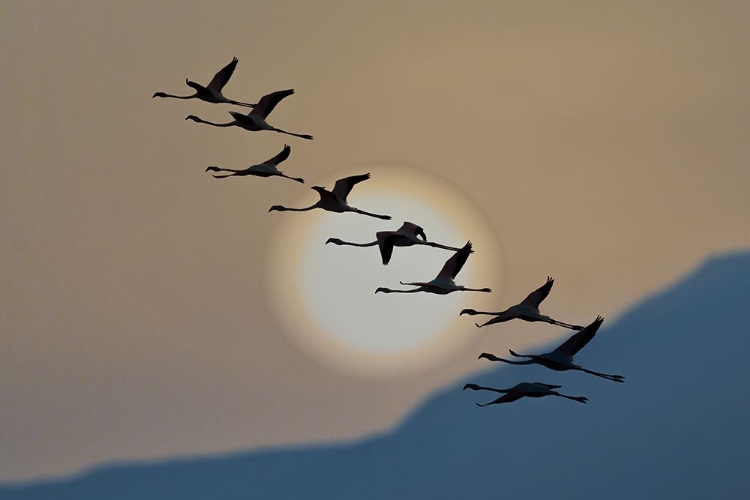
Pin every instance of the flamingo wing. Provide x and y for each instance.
(280, 157)
(386, 240)
(513, 395)
(537, 296)
(453, 266)
(269, 101)
(579, 340)
(412, 229)
(222, 77)
(344, 186)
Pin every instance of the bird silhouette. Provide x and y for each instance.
(524, 390)
(265, 169)
(443, 284)
(561, 359)
(528, 310)
(407, 235)
(255, 120)
(211, 92)
(335, 201)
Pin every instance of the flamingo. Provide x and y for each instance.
(335, 201)
(265, 169)
(528, 310)
(524, 389)
(561, 359)
(212, 92)
(255, 120)
(443, 284)
(407, 235)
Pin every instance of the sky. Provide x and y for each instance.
(606, 142)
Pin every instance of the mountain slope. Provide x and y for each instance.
(676, 429)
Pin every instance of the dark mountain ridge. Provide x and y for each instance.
(677, 428)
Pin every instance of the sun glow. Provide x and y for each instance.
(323, 295)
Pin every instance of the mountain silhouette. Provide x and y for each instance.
(677, 428)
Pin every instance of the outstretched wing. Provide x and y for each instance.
(269, 101)
(344, 186)
(513, 395)
(581, 338)
(386, 240)
(222, 77)
(453, 265)
(537, 296)
(412, 229)
(280, 157)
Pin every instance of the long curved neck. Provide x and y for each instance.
(220, 169)
(492, 357)
(463, 288)
(527, 362)
(349, 243)
(487, 313)
(163, 94)
(200, 120)
(288, 209)
(388, 290)
(501, 391)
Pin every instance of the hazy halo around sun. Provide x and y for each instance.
(323, 295)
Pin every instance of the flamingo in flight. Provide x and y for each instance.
(265, 169)
(255, 120)
(528, 310)
(211, 92)
(443, 284)
(524, 389)
(335, 201)
(561, 359)
(407, 235)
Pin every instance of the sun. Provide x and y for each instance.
(323, 295)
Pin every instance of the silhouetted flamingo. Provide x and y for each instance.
(528, 310)
(265, 169)
(407, 235)
(443, 284)
(255, 120)
(561, 359)
(211, 92)
(335, 201)
(524, 390)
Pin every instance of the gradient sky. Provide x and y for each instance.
(606, 140)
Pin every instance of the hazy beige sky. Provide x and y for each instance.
(608, 141)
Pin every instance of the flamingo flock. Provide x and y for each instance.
(409, 234)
